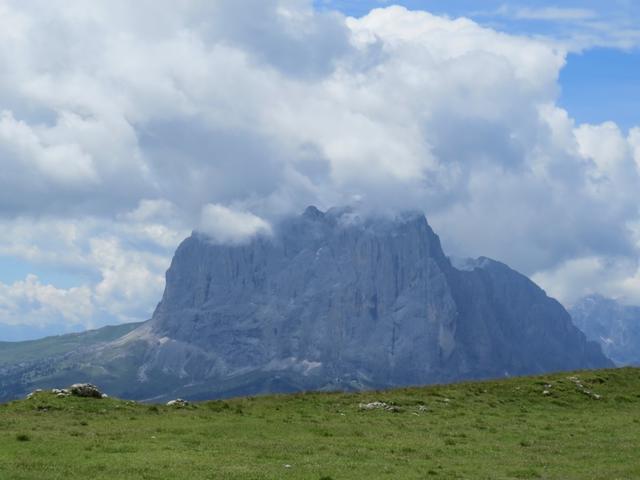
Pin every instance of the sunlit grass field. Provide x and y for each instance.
(583, 425)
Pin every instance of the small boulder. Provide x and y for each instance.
(85, 390)
(373, 406)
(34, 393)
(378, 406)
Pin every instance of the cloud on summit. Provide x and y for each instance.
(131, 123)
(227, 226)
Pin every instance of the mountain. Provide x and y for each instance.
(29, 363)
(615, 326)
(333, 300)
(33, 350)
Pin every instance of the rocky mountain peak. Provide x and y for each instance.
(616, 327)
(346, 298)
(312, 213)
(335, 300)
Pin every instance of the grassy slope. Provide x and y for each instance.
(16, 352)
(490, 430)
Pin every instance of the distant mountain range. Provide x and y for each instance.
(614, 326)
(333, 300)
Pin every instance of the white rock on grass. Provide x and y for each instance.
(378, 406)
(33, 393)
(583, 389)
(85, 390)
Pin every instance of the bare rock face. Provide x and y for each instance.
(332, 297)
(85, 390)
(333, 300)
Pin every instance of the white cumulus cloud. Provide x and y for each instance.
(228, 226)
(29, 302)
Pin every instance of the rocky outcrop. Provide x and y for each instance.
(614, 326)
(85, 390)
(334, 300)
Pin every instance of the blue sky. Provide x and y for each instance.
(15, 269)
(225, 116)
(602, 84)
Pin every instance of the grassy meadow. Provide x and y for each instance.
(583, 425)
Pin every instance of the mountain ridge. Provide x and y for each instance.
(333, 300)
(616, 327)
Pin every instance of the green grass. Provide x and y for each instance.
(491, 430)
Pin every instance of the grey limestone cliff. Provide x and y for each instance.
(335, 300)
